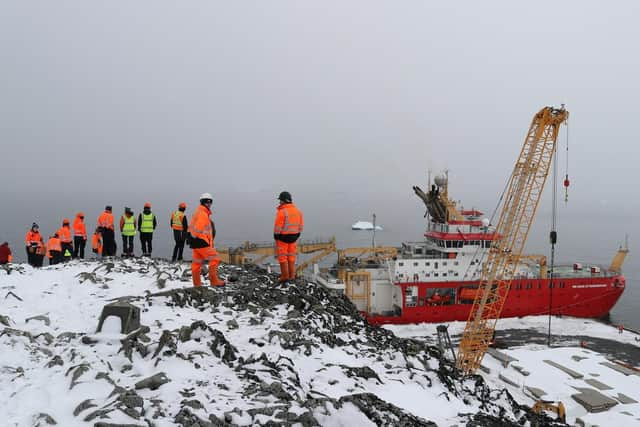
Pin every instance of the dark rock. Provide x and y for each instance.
(232, 324)
(153, 382)
(44, 419)
(83, 406)
(56, 361)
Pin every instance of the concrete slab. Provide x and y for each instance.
(500, 356)
(508, 380)
(625, 400)
(521, 370)
(535, 391)
(572, 373)
(597, 384)
(619, 368)
(593, 400)
(485, 369)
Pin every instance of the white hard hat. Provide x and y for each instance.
(206, 196)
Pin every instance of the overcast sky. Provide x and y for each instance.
(346, 104)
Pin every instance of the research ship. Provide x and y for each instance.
(436, 279)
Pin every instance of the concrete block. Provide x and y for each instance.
(129, 315)
(505, 359)
(564, 369)
(593, 400)
(625, 400)
(597, 384)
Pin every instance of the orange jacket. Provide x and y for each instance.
(289, 220)
(32, 237)
(53, 244)
(64, 233)
(201, 226)
(105, 220)
(79, 229)
(96, 242)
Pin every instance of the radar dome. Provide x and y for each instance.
(440, 180)
(485, 222)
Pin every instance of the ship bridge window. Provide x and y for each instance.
(415, 264)
(401, 264)
(418, 251)
(455, 262)
(427, 264)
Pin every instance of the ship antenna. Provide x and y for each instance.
(373, 239)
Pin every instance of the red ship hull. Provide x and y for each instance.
(589, 297)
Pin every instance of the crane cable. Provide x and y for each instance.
(553, 235)
(566, 168)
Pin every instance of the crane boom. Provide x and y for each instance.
(520, 204)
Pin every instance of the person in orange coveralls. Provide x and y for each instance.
(287, 227)
(203, 231)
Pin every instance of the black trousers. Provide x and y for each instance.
(145, 241)
(127, 245)
(38, 259)
(79, 243)
(67, 247)
(179, 237)
(56, 257)
(108, 242)
(30, 256)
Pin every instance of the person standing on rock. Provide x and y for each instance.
(128, 230)
(79, 236)
(32, 240)
(287, 228)
(5, 253)
(179, 225)
(105, 225)
(96, 242)
(146, 224)
(54, 249)
(203, 231)
(64, 233)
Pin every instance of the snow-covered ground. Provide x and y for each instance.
(593, 362)
(251, 353)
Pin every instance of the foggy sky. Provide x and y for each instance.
(346, 104)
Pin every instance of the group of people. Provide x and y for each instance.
(70, 240)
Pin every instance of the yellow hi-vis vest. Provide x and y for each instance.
(147, 223)
(129, 227)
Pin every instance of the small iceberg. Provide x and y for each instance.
(364, 225)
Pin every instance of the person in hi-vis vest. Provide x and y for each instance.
(178, 222)
(128, 231)
(146, 224)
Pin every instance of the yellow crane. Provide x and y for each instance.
(520, 204)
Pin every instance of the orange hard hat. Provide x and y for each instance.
(65, 221)
(80, 214)
(147, 205)
(182, 205)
